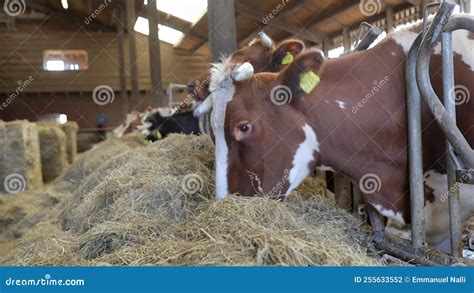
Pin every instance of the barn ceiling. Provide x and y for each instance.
(311, 20)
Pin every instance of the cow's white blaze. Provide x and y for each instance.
(436, 212)
(222, 91)
(303, 157)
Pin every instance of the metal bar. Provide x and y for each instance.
(377, 223)
(154, 52)
(447, 124)
(372, 34)
(121, 58)
(170, 90)
(415, 154)
(131, 17)
(455, 231)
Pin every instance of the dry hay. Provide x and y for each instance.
(20, 162)
(70, 129)
(128, 205)
(53, 150)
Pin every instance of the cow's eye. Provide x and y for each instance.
(244, 127)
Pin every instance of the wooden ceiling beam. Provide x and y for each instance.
(302, 33)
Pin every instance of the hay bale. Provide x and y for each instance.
(53, 150)
(20, 164)
(70, 129)
(153, 204)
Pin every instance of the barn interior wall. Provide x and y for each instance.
(70, 92)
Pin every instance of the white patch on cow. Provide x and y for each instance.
(436, 212)
(222, 91)
(325, 168)
(203, 108)
(326, 101)
(394, 54)
(303, 157)
(341, 104)
(243, 72)
(391, 214)
(462, 46)
(404, 38)
(145, 128)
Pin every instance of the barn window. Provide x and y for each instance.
(63, 60)
(165, 33)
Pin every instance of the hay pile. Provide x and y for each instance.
(70, 129)
(53, 150)
(127, 202)
(20, 163)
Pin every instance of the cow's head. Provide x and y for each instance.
(264, 142)
(261, 53)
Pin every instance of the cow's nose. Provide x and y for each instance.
(191, 86)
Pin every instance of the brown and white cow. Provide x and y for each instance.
(261, 52)
(348, 114)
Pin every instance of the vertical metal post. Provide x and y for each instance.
(346, 39)
(121, 58)
(453, 186)
(154, 52)
(222, 32)
(131, 18)
(390, 18)
(415, 154)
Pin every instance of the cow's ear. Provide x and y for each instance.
(286, 52)
(302, 75)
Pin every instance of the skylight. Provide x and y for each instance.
(165, 33)
(55, 65)
(188, 10)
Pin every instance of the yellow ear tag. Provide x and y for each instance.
(287, 59)
(158, 135)
(308, 81)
